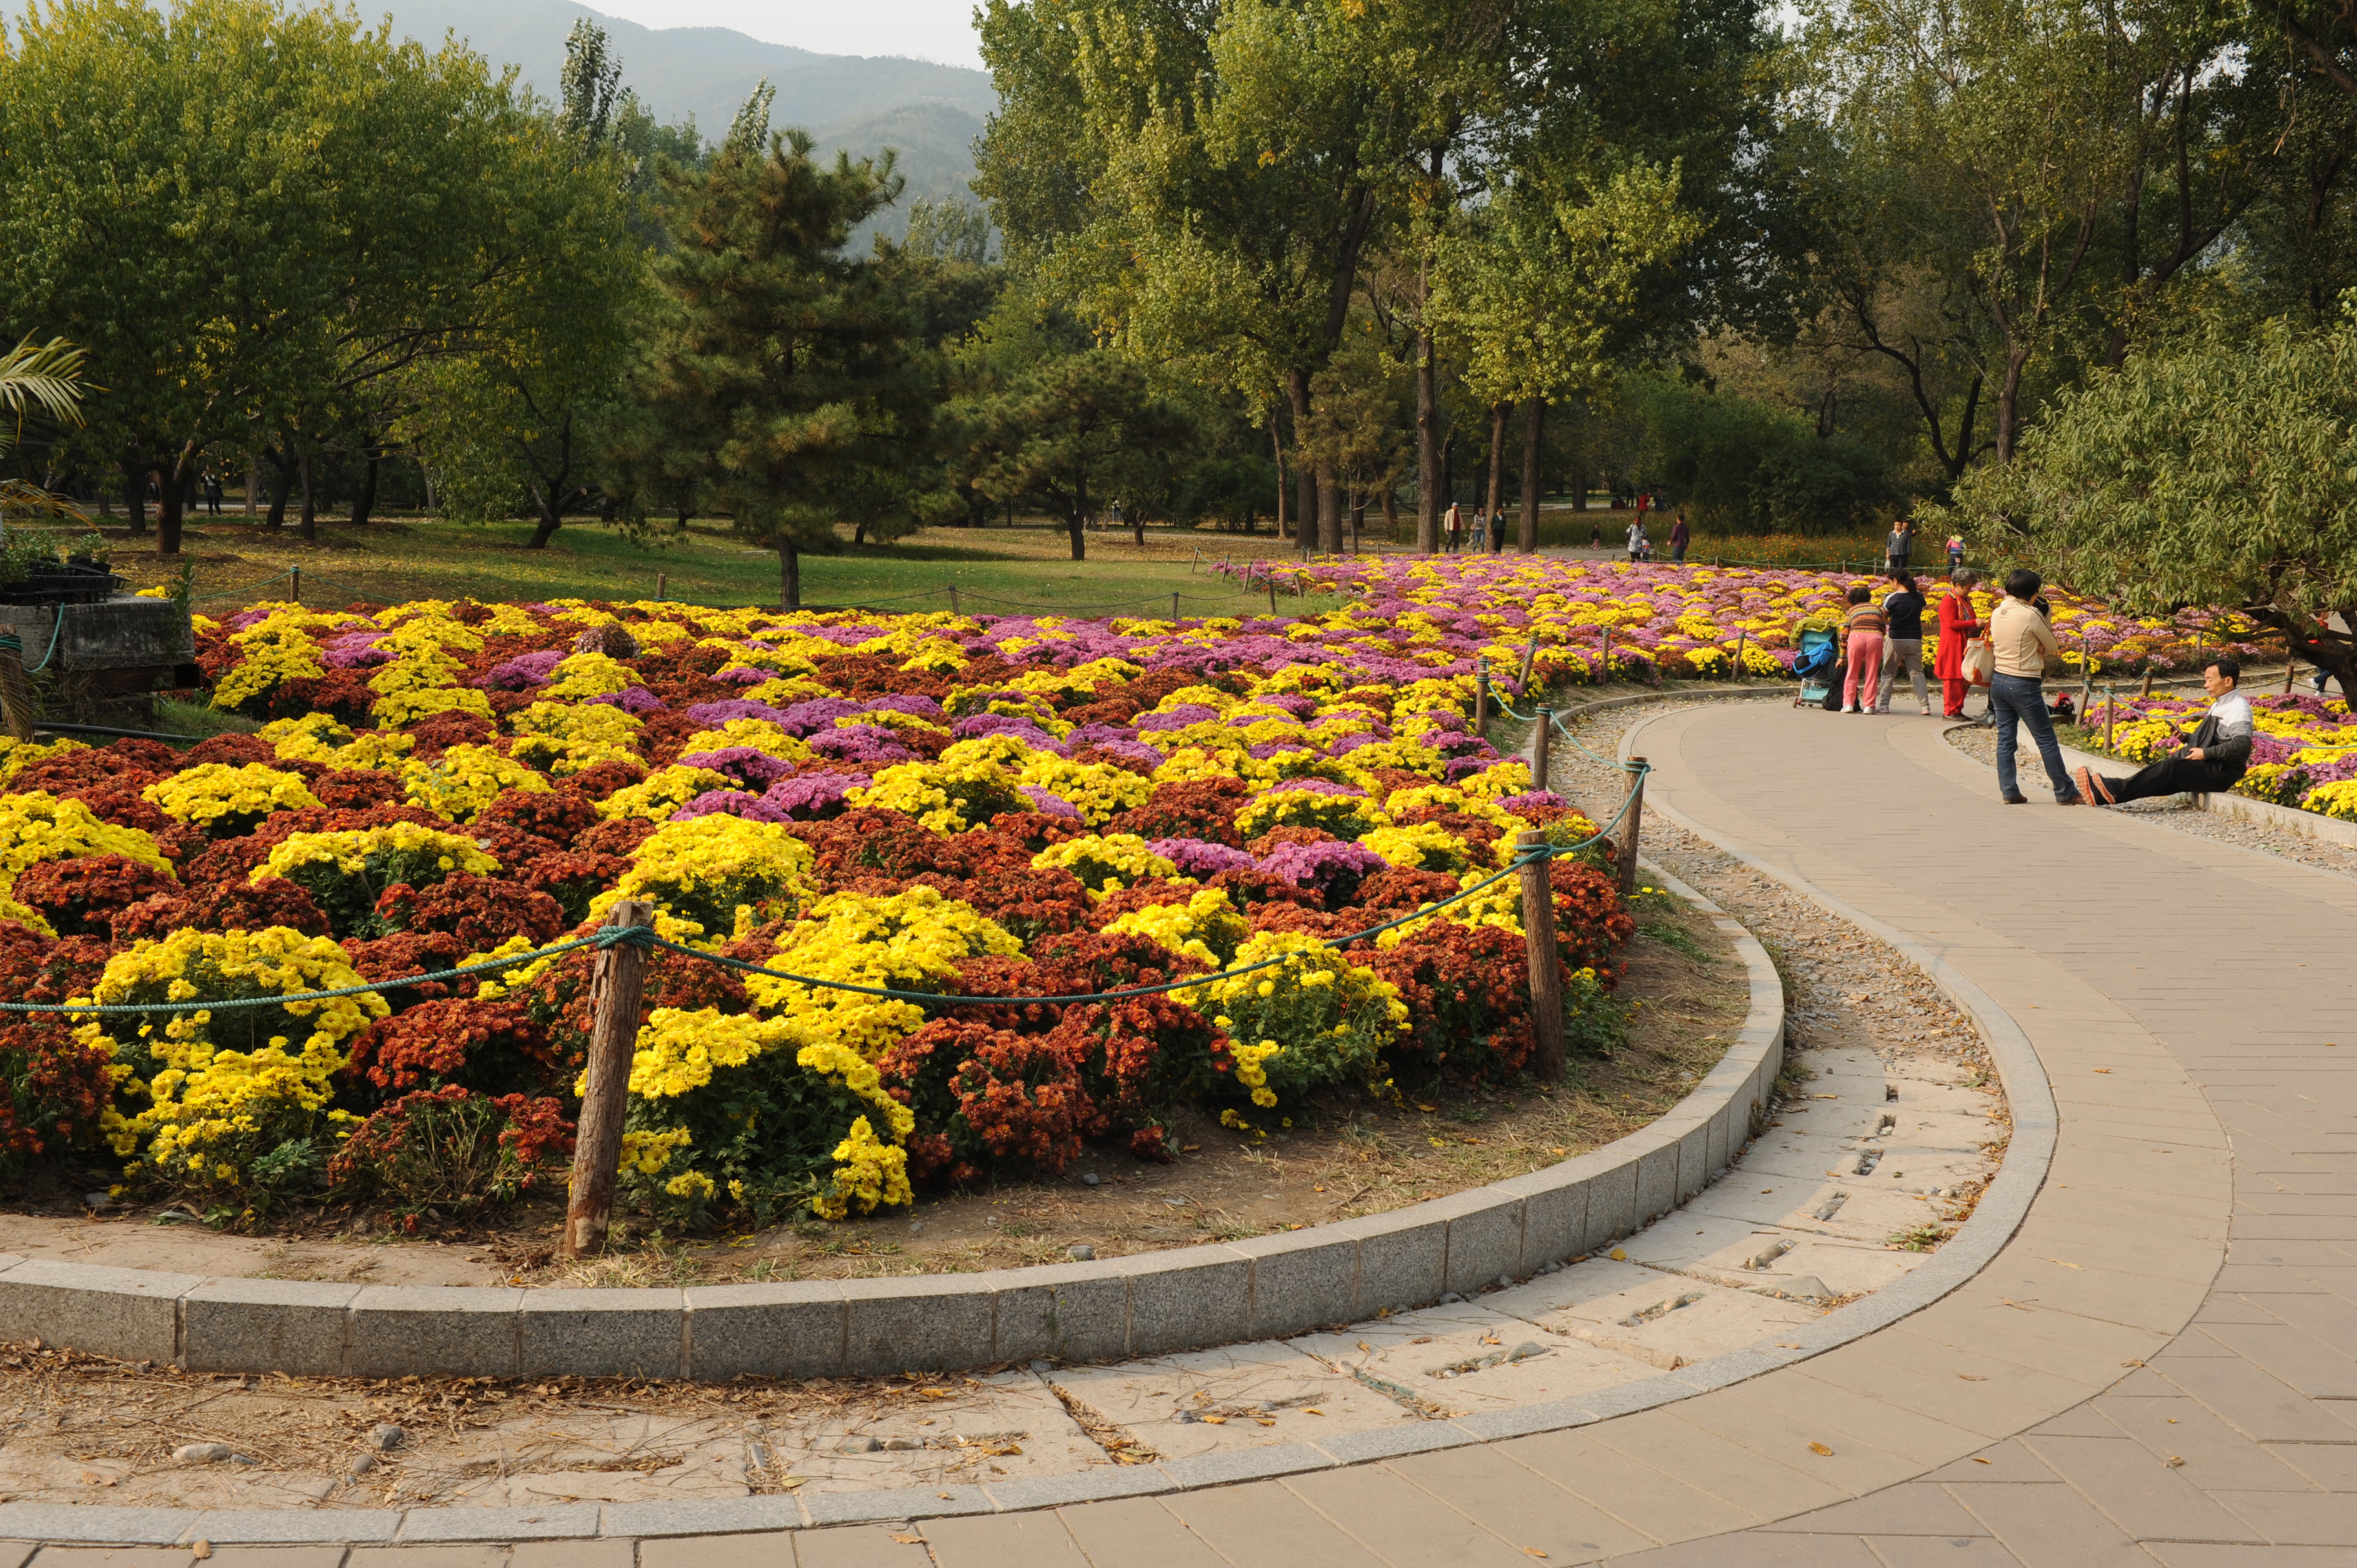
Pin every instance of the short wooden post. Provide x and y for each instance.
(954, 604)
(1523, 679)
(1604, 653)
(2147, 681)
(296, 592)
(1482, 700)
(2111, 703)
(1740, 632)
(614, 988)
(1174, 604)
(2291, 667)
(1546, 965)
(662, 587)
(1631, 823)
(1542, 737)
(1272, 595)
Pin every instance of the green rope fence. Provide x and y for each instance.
(644, 936)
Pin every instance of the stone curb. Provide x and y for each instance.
(1753, 1061)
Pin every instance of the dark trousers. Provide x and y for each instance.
(2020, 701)
(2170, 776)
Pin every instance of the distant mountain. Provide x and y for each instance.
(930, 114)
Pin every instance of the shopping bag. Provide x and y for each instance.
(1980, 662)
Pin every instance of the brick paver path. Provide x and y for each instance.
(2160, 1367)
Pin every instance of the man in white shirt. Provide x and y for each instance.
(2211, 761)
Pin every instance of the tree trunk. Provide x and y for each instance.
(790, 576)
(552, 516)
(310, 529)
(135, 495)
(1305, 511)
(281, 486)
(252, 483)
(1534, 427)
(2008, 402)
(1330, 502)
(1277, 441)
(1079, 520)
(1428, 480)
(171, 500)
(365, 502)
(1497, 412)
(1391, 514)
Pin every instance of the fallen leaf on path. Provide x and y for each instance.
(204, 1549)
(2138, 1364)
(2173, 1462)
(911, 1540)
(1972, 1377)
(1819, 1448)
(2066, 1265)
(1978, 1460)
(1311, 1410)
(1533, 1551)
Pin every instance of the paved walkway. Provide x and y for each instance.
(2160, 1367)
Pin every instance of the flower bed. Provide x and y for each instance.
(934, 805)
(1684, 621)
(2303, 753)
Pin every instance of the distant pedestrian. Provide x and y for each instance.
(1861, 650)
(1898, 548)
(1958, 626)
(1679, 538)
(1594, 535)
(1903, 641)
(2022, 643)
(1956, 554)
(2211, 762)
(1453, 528)
(1481, 531)
(1638, 543)
(212, 493)
(1498, 531)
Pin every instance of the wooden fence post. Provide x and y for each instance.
(1740, 632)
(2111, 702)
(1546, 968)
(954, 604)
(614, 988)
(662, 587)
(1272, 595)
(295, 592)
(1629, 825)
(1481, 699)
(2147, 679)
(1174, 605)
(1523, 679)
(1541, 738)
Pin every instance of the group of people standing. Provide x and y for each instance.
(1878, 637)
(1489, 532)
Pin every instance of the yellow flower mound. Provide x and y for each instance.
(279, 647)
(760, 734)
(38, 826)
(1427, 846)
(217, 1095)
(26, 915)
(867, 1173)
(16, 756)
(565, 738)
(348, 851)
(591, 675)
(1107, 862)
(464, 779)
(1099, 792)
(909, 941)
(1207, 927)
(407, 707)
(210, 790)
(317, 737)
(662, 792)
(723, 871)
(678, 1051)
(949, 796)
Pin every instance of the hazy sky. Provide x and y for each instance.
(939, 30)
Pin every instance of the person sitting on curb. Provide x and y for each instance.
(2210, 762)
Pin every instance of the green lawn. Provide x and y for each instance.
(1000, 570)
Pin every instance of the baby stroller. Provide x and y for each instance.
(1815, 664)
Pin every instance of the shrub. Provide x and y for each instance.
(1467, 993)
(81, 897)
(1310, 1021)
(228, 801)
(221, 906)
(997, 1099)
(456, 1148)
(58, 1089)
(346, 872)
(481, 911)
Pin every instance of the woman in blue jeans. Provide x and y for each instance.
(2022, 642)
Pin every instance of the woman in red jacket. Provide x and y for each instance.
(1957, 627)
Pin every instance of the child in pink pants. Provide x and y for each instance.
(1862, 653)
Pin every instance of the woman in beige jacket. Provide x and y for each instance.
(2022, 642)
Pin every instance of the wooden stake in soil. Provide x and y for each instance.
(614, 988)
(954, 604)
(1272, 595)
(1542, 737)
(295, 592)
(15, 693)
(2147, 682)
(1523, 679)
(1738, 672)
(1174, 605)
(1629, 825)
(1546, 967)
(1482, 700)
(2111, 702)
(662, 587)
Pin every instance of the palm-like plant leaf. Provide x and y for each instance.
(47, 376)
